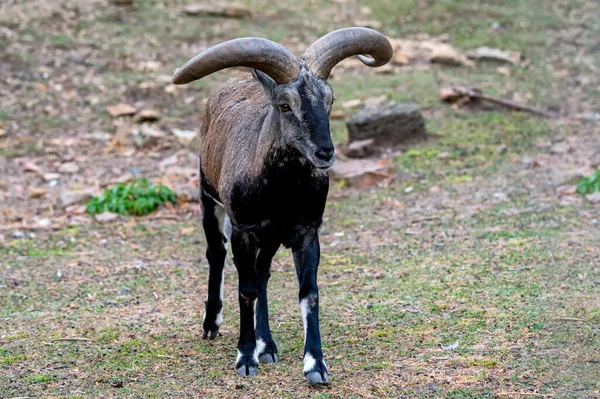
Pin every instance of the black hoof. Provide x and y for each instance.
(247, 371)
(210, 334)
(316, 378)
(267, 358)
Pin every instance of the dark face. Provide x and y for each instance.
(303, 107)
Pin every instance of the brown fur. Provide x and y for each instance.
(236, 134)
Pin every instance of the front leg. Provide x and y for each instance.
(244, 257)
(306, 258)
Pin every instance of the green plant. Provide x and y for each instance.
(138, 197)
(589, 184)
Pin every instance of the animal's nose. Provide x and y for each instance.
(325, 154)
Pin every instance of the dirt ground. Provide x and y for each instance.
(473, 273)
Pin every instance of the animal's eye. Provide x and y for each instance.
(285, 107)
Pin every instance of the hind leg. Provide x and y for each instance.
(213, 221)
(265, 346)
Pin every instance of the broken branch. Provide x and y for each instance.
(458, 93)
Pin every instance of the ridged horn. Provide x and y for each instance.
(328, 51)
(269, 57)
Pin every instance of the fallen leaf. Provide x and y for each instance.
(147, 115)
(185, 136)
(186, 231)
(37, 193)
(121, 109)
(69, 167)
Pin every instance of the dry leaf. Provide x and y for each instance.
(121, 109)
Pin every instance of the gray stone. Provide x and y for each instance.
(394, 124)
(559, 148)
(361, 148)
(564, 177)
(75, 197)
(593, 198)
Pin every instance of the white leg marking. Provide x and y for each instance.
(220, 214)
(219, 319)
(305, 312)
(239, 356)
(309, 362)
(255, 304)
(260, 347)
(227, 227)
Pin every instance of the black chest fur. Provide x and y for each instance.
(283, 201)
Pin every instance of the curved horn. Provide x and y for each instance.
(253, 52)
(332, 48)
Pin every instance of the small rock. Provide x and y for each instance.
(492, 54)
(43, 222)
(187, 193)
(589, 116)
(568, 189)
(443, 53)
(595, 160)
(355, 103)
(390, 125)
(76, 210)
(185, 136)
(18, 234)
(106, 217)
(68, 198)
(562, 178)
(594, 198)
(361, 173)
(559, 148)
(375, 102)
(147, 136)
(150, 131)
(219, 10)
(338, 114)
(121, 109)
(100, 136)
(570, 200)
(52, 176)
(69, 167)
(449, 347)
(504, 71)
(500, 197)
(371, 23)
(360, 148)
(400, 58)
(147, 115)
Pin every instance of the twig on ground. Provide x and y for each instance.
(457, 93)
(74, 339)
(541, 395)
(16, 226)
(425, 219)
(167, 216)
(568, 319)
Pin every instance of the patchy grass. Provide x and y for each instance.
(479, 254)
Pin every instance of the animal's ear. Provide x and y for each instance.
(266, 82)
